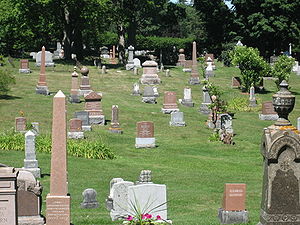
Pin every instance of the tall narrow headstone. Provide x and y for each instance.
(74, 97)
(42, 87)
(115, 125)
(85, 86)
(187, 97)
(103, 69)
(130, 63)
(252, 99)
(194, 79)
(112, 59)
(170, 103)
(30, 162)
(58, 201)
(181, 58)
(24, 66)
(145, 135)
(204, 107)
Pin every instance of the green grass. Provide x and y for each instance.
(193, 168)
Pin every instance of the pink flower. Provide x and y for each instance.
(148, 216)
(158, 217)
(129, 218)
(143, 216)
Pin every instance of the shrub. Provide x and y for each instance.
(282, 69)
(252, 65)
(6, 79)
(225, 54)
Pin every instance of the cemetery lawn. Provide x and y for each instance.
(193, 168)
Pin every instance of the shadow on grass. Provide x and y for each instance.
(45, 174)
(9, 97)
(295, 92)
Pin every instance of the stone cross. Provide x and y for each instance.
(89, 199)
(194, 79)
(57, 201)
(30, 162)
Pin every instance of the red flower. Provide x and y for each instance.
(158, 217)
(129, 218)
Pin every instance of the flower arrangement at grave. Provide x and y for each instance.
(144, 219)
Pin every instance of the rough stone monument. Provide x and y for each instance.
(85, 86)
(181, 58)
(150, 73)
(170, 102)
(75, 131)
(115, 125)
(145, 135)
(58, 202)
(130, 63)
(42, 87)
(89, 199)
(194, 79)
(24, 66)
(30, 162)
(177, 119)
(148, 96)
(252, 99)
(280, 148)
(20, 124)
(187, 97)
(268, 112)
(204, 107)
(93, 106)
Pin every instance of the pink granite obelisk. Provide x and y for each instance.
(194, 79)
(42, 87)
(58, 201)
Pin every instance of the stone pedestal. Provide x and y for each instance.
(145, 143)
(58, 210)
(232, 217)
(150, 73)
(93, 106)
(43, 90)
(130, 62)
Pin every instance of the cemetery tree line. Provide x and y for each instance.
(28, 24)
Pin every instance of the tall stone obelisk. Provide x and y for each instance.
(42, 87)
(194, 79)
(58, 201)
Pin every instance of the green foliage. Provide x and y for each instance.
(225, 54)
(282, 69)
(6, 79)
(251, 64)
(108, 39)
(79, 148)
(240, 104)
(214, 136)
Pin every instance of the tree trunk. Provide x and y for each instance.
(132, 33)
(121, 45)
(67, 31)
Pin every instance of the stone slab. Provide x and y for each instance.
(100, 120)
(268, 117)
(30, 220)
(232, 217)
(169, 111)
(75, 135)
(150, 100)
(43, 90)
(58, 210)
(24, 71)
(145, 143)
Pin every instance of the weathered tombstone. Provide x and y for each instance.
(212, 58)
(130, 63)
(58, 201)
(236, 82)
(234, 208)
(148, 96)
(104, 52)
(280, 149)
(181, 58)
(75, 131)
(268, 112)
(85, 86)
(194, 79)
(42, 87)
(57, 54)
(204, 107)
(93, 106)
(89, 199)
(20, 124)
(74, 97)
(29, 199)
(115, 125)
(168, 73)
(187, 97)
(103, 69)
(252, 99)
(84, 117)
(136, 89)
(24, 66)
(188, 66)
(273, 59)
(137, 63)
(226, 123)
(48, 59)
(145, 177)
(155, 90)
(177, 119)
(30, 162)
(8, 196)
(145, 135)
(170, 102)
(150, 73)
(35, 128)
(209, 71)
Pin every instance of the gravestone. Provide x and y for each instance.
(24, 66)
(145, 135)
(57, 54)
(188, 66)
(177, 119)
(187, 97)
(235, 82)
(103, 69)
(217, 124)
(42, 87)
(75, 131)
(89, 199)
(168, 73)
(136, 89)
(35, 128)
(150, 73)
(8, 196)
(170, 102)
(104, 52)
(181, 58)
(280, 148)
(204, 107)
(268, 112)
(74, 96)
(130, 63)
(93, 106)
(48, 59)
(84, 117)
(298, 71)
(209, 68)
(252, 99)
(234, 209)
(29, 199)
(85, 86)
(273, 59)
(137, 63)
(112, 59)
(115, 125)
(194, 79)
(212, 58)
(30, 162)
(20, 124)
(295, 66)
(145, 177)
(58, 202)
(226, 123)
(155, 90)
(148, 96)
(33, 55)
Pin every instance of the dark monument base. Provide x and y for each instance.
(232, 217)
(194, 80)
(74, 99)
(204, 108)
(187, 103)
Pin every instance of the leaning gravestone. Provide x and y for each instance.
(280, 149)
(268, 112)
(48, 59)
(89, 199)
(177, 119)
(148, 96)
(84, 116)
(8, 196)
(24, 66)
(145, 135)
(233, 209)
(170, 103)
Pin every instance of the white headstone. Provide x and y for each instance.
(48, 59)
(298, 123)
(295, 67)
(137, 63)
(226, 123)
(187, 94)
(177, 119)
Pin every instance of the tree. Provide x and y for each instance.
(282, 69)
(6, 79)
